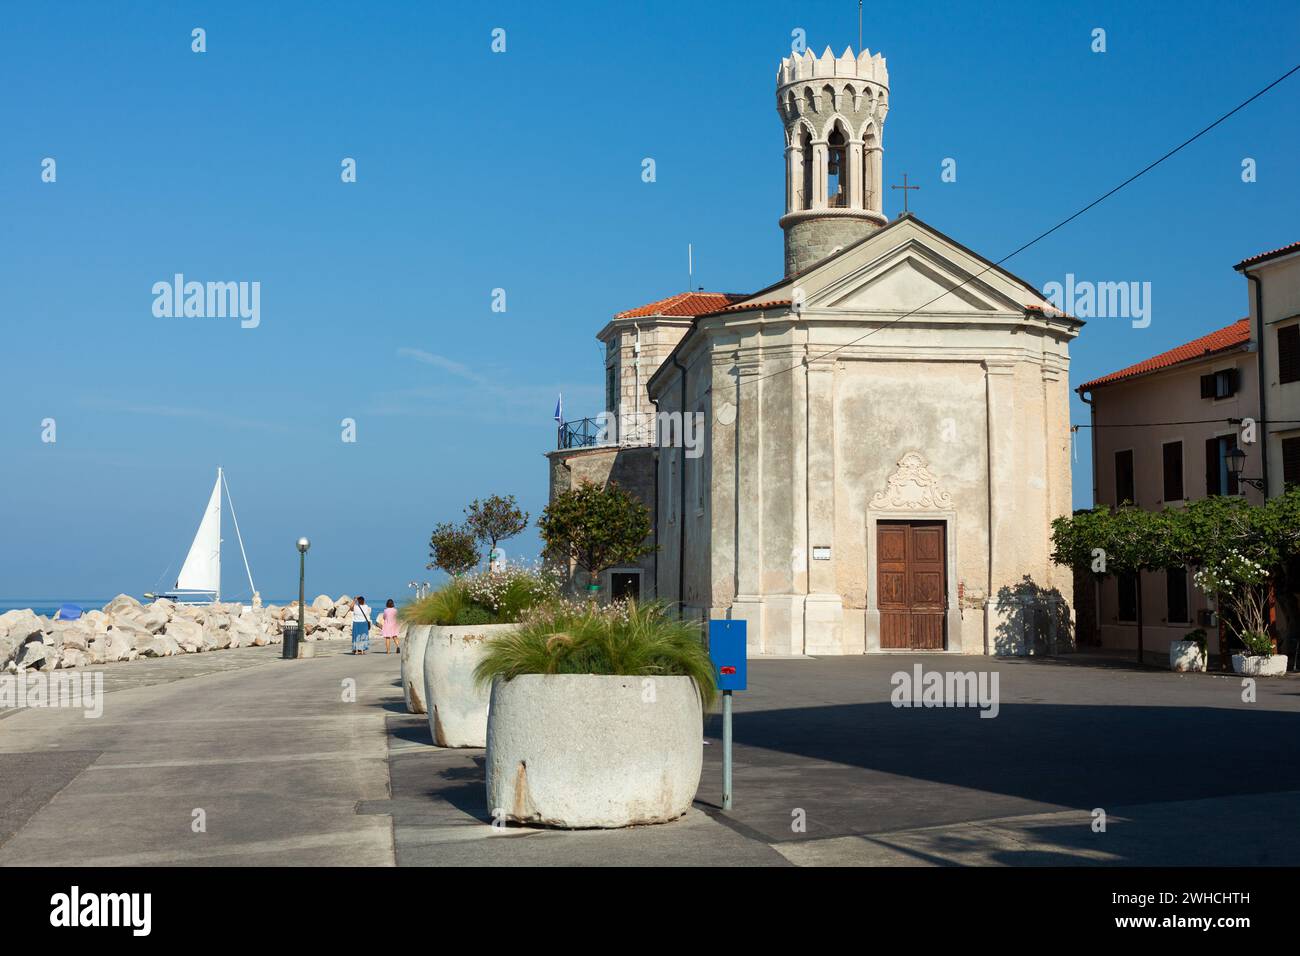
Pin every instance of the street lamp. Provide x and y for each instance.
(303, 545)
(1236, 459)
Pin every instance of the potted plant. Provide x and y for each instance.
(1259, 659)
(596, 716)
(1241, 584)
(477, 608)
(453, 549)
(1189, 653)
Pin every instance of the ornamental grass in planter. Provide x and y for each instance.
(444, 649)
(596, 716)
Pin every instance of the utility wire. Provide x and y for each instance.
(1142, 172)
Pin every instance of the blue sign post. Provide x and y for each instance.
(727, 649)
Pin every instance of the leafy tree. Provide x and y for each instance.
(495, 519)
(453, 548)
(1125, 541)
(1216, 534)
(596, 527)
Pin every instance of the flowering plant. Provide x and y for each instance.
(1241, 585)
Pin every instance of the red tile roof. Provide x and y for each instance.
(1267, 255)
(750, 306)
(1221, 340)
(685, 304)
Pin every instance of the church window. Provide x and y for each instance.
(837, 193)
(611, 388)
(806, 189)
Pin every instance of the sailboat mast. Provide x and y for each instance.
(238, 536)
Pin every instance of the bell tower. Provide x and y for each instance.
(834, 115)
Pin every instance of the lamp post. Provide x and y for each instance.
(1236, 459)
(303, 545)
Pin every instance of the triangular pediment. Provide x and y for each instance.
(906, 281)
(909, 267)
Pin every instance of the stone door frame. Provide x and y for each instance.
(952, 617)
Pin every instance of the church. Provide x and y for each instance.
(885, 433)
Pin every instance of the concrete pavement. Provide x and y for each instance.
(288, 768)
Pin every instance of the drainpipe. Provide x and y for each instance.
(1096, 590)
(681, 483)
(1092, 411)
(654, 443)
(1259, 372)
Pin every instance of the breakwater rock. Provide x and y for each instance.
(126, 629)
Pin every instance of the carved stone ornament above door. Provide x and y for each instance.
(912, 488)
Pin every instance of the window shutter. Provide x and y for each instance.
(1207, 386)
(1290, 461)
(1233, 376)
(1173, 462)
(1212, 467)
(1288, 354)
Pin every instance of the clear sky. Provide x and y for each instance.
(520, 171)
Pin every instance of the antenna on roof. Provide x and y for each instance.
(859, 26)
(690, 268)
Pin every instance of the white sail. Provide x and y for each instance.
(202, 568)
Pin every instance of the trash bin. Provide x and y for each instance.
(289, 644)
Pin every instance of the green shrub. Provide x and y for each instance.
(624, 639)
(472, 614)
(1258, 644)
(439, 607)
(495, 596)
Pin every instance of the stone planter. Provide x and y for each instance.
(1272, 665)
(588, 750)
(1185, 656)
(413, 668)
(458, 708)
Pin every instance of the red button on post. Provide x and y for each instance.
(727, 670)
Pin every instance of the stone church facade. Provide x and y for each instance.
(886, 429)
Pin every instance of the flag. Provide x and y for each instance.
(559, 409)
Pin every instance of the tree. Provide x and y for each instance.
(453, 548)
(1241, 551)
(1125, 541)
(495, 519)
(596, 528)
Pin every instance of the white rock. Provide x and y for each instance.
(120, 603)
(32, 654)
(16, 629)
(1185, 656)
(159, 645)
(188, 634)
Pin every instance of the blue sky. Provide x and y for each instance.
(520, 171)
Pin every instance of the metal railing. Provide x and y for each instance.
(583, 433)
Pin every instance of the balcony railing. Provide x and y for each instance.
(584, 433)
(604, 430)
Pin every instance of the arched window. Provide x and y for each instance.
(837, 184)
(868, 146)
(806, 188)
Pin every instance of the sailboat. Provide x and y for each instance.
(200, 579)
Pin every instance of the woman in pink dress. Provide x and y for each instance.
(390, 626)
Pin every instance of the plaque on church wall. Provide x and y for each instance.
(821, 553)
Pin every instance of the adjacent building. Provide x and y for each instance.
(1165, 431)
